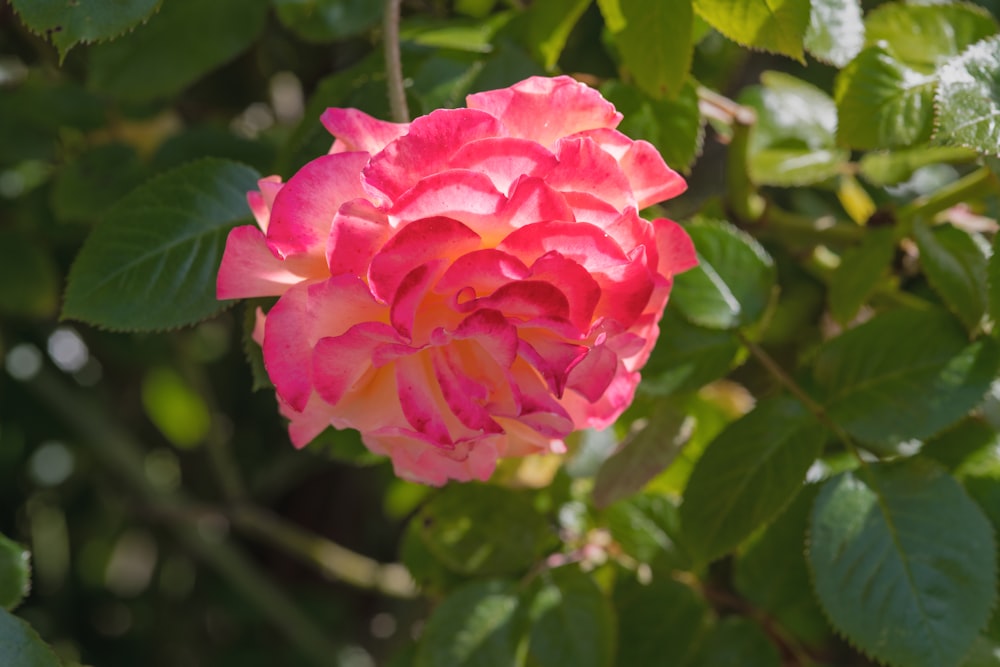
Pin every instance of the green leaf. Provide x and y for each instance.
(654, 39)
(993, 283)
(884, 576)
(151, 263)
(773, 575)
(925, 36)
(29, 278)
(646, 527)
(886, 385)
(985, 653)
(892, 167)
(792, 142)
(344, 446)
(860, 270)
(573, 622)
(955, 264)
(733, 282)
(957, 447)
(68, 22)
(150, 62)
(86, 187)
(21, 646)
(328, 20)
(778, 26)
(427, 571)
(882, 103)
(483, 530)
(659, 623)
(687, 357)
(15, 573)
(443, 82)
(644, 455)
(747, 475)
(836, 32)
(968, 98)
(548, 27)
(476, 626)
(736, 642)
(673, 126)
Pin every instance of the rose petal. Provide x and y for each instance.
(359, 230)
(674, 246)
(484, 270)
(546, 109)
(504, 160)
(650, 178)
(531, 201)
(340, 362)
(417, 396)
(584, 167)
(466, 196)
(262, 201)
(585, 244)
(304, 208)
(572, 280)
(357, 131)
(250, 269)
(594, 373)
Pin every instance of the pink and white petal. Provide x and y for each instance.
(306, 424)
(576, 284)
(594, 373)
(527, 300)
(537, 407)
(483, 270)
(410, 299)
(504, 160)
(250, 269)
(418, 459)
(493, 332)
(625, 289)
(531, 201)
(262, 201)
(546, 109)
(416, 244)
(459, 194)
(590, 209)
(651, 179)
(357, 131)
(427, 148)
(550, 355)
(603, 412)
(581, 242)
(258, 326)
(630, 231)
(420, 398)
(340, 362)
(676, 251)
(460, 395)
(584, 167)
(304, 209)
(359, 230)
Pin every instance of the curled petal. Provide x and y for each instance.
(674, 246)
(651, 180)
(357, 131)
(359, 230)
(584, 167)
(416, 458)
(504, 160)
(483, 270)
(304, 209)
(531, 201)
(340, 362)
(580, 289)
(493, 332)
(260, 202)
(417, 396)
(466, 196)
(526, 109)
(250, 269)
(585, 244)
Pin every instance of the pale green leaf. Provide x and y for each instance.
(674, 126)
(778, 26)
(15, 573)
(886, 384)
(859, 272)
(960, 447)
(647, 528)
(655, 43)
(884, 576)
(882, 103)
(70, 22)
(892, 167)
(792, 142)
(747, 475)
(20, 645)
(476, 626)
(993, 282)
(968, 98)
(836, 32)
(572, 622)
(733, 282)
(659, 623)
(644, 455)
(925, 36)
(954, 262)
(151, 263)
(483, 530)
(328, 20)
(184, 41)
(548, 27)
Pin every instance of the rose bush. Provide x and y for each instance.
(473, 285)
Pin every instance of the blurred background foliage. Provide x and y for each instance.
(834, 353)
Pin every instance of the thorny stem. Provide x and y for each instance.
(394, 63)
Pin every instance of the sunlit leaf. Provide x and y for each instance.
(548, 25)
(184, 41)
(955, 264)
(654, 39)
(968, 98)
(887, 583)
(647, 528)
(892, 167)
(15, 573)
(836, 32)
(925, 35)
(778, 26)
(69, 22)
(883, 103)
(151, 263)
(747, 475)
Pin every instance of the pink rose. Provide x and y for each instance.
(473, 285)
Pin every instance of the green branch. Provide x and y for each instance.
(394, 63)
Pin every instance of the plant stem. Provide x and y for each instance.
(393, 62)
(329, 558)
(978, 184)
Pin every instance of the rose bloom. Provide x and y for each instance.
(473, 285)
